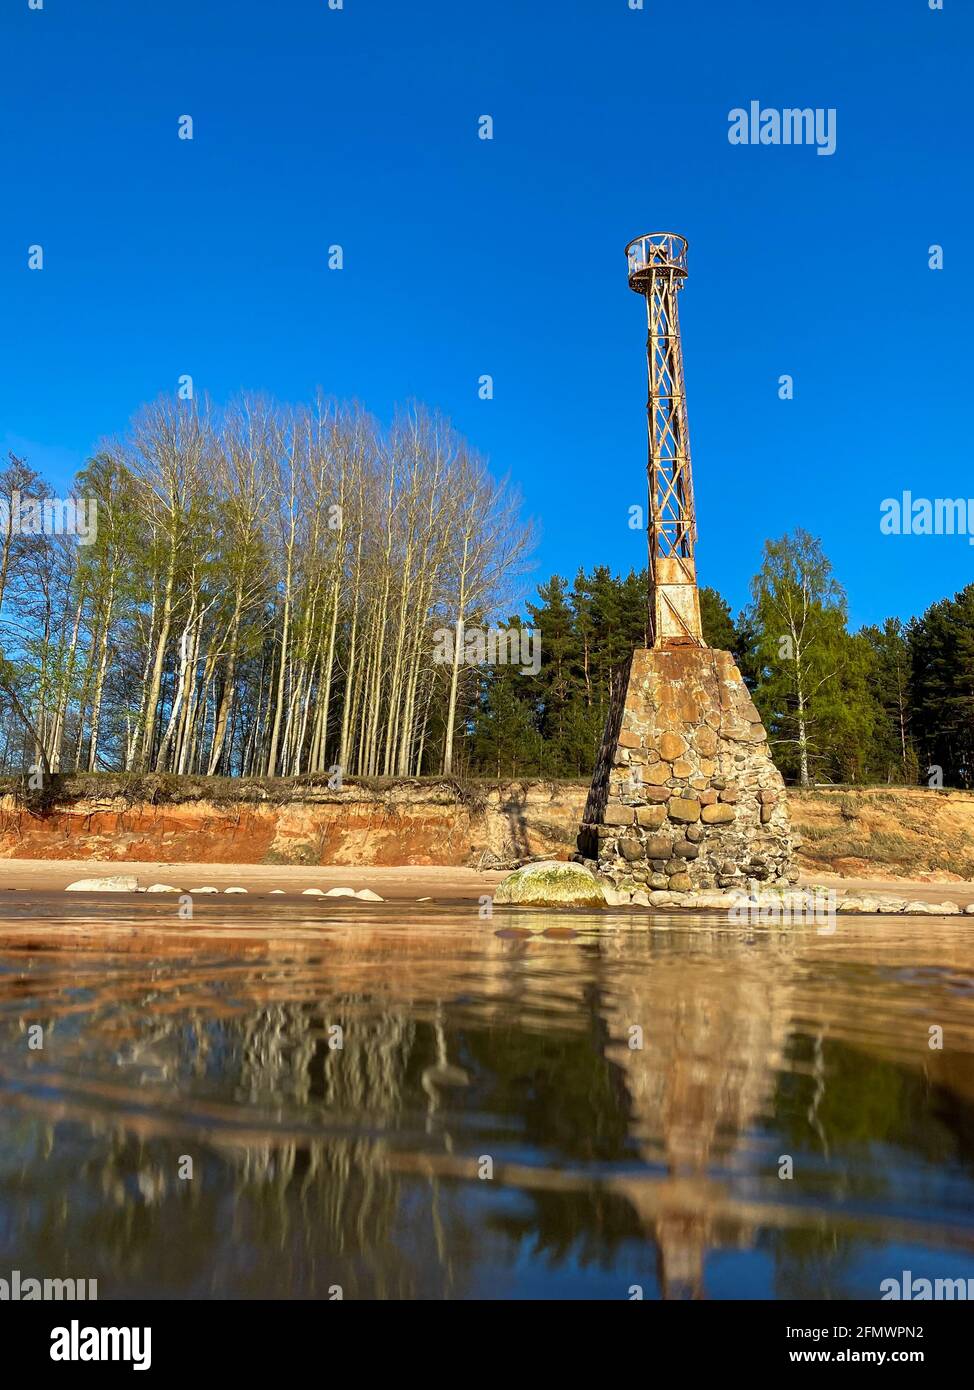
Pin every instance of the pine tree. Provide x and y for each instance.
(892, 756)
(558, 679)
(505, 741)
(942, 667)
(719, 630)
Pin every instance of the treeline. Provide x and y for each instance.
(889, 704)
(260, 596)
(267, 589)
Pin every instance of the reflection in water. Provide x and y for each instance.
(362, 1165)
(700, 1085)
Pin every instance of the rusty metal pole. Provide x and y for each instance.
(657, 270)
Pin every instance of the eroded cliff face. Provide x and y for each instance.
(419, 822)
(881, 832)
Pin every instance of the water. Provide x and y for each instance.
(466, 1044)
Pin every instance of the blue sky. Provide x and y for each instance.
(462, 256)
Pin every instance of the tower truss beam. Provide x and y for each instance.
(657, 271)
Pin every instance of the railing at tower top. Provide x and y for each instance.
(656, 251)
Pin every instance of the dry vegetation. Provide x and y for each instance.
(901, 832)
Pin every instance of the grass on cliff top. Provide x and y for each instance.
(160, 788)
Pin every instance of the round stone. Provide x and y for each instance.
(671, 746)
(686, 849)
(705, 742)
(657, 847)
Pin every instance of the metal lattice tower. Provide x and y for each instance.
(657, 270)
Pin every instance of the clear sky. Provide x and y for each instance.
(463, 256)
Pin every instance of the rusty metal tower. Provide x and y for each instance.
(657, 270)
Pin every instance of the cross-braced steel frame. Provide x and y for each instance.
(657, 270)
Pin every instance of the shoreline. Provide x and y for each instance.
(407, 882)
(400, 883)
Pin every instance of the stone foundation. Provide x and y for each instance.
(685, 795)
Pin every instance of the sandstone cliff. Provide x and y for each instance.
(876, 831)
(292, 821)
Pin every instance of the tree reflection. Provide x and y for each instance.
(317, 1165)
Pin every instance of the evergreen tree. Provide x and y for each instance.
(942, 667)
(552, 724)
(719, 630)
(553, 620)
(746, 652)
(892, 756)
(505, 741)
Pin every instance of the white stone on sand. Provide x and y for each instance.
(114, 883)
(617, 897)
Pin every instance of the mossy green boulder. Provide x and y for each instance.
(550, 883)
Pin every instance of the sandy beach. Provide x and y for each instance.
(407, 883)
(402, 883)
